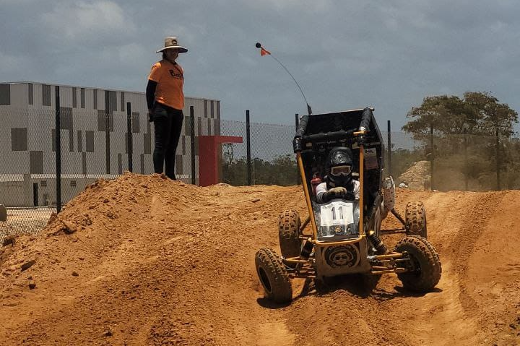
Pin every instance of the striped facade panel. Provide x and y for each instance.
(28, 129)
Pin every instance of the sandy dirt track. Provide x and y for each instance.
(143, 260)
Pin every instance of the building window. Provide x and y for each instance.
(80, 141)
(30, 93)
(187, 125)
(89, 139)
(216, 127)
(212, 109)
(178, 164)
(73, 183)
(122, 101)
(84, 163)
(120, 163)
(36, 162)
(74, 98)
(110, 101)
(19, 139)
(5, 94)
(147, 143)
(43, 183)
(136, 126)
(53, 140)
(66, 118)
(95, 98)
(46, 95)
(205, 108)
(82, 97)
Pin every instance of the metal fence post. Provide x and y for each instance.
(432, 157)
(498, 159)
(389, 148)
(248, 146)
(296, 124)
(107, 132)
(466, 165)
(58, 150)
(130, 135)
(192, 135)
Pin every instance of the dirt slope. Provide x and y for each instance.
(156, 262)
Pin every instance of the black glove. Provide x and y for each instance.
(150, 117)
(335, 192)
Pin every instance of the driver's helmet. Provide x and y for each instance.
(339, 166)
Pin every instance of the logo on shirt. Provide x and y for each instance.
(176, 74)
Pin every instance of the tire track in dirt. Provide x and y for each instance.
(476, 220)
(491, 280)
(162, 262)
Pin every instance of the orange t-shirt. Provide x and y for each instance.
(170, 81)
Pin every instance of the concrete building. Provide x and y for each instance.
(94, 138)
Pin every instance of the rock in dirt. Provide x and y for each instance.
(28, 265)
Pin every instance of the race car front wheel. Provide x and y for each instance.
(423, 265)
(273, 276)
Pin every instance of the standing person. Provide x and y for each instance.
(165, 99)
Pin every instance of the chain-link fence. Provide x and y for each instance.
(269, 159)
(463, 162)
(42, 169)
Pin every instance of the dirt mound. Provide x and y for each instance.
(143, 260)
(417, 177)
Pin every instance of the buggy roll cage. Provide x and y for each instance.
(356, 129)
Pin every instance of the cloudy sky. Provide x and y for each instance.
(344, 54)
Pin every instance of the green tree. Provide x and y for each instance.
(471, 136)
(280, 171)
(491, 115)
(444, 114)
(477, 113)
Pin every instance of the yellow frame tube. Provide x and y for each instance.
(361, 188)
(307, 195)
(309, 203)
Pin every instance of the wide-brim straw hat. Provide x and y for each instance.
(171, 43)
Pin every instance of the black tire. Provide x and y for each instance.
(424, 265)
(415, 219)
(273, 276)
(289, 233)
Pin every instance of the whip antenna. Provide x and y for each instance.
(263, 52)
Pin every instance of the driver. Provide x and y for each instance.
(338, 179)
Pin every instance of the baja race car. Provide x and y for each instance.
(344, 235)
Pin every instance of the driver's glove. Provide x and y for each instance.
(335, 192)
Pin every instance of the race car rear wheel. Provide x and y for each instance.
(289, 233)
(424, 266)
(273, 276)
(415, 219)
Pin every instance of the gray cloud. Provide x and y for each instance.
(344, 54)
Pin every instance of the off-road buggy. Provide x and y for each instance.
(344, 235)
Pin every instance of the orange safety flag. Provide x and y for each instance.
(264, 51)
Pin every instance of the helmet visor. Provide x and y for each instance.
(341, 170)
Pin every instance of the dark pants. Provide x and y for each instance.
(168, 126)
